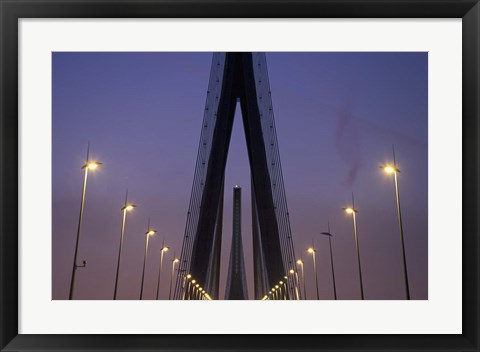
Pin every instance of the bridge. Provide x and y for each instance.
(238, 77)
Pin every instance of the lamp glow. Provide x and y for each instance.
(129, 207)
(92, 165)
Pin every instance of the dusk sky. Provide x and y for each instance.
(337, 116)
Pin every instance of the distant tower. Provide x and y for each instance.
(236, 280)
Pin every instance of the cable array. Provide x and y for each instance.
(264, 99)
(204, 147)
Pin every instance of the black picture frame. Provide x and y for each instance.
(12, 10)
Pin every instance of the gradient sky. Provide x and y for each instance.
(337, 115)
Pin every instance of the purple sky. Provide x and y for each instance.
(337, 115)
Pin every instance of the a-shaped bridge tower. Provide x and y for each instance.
(238, 77)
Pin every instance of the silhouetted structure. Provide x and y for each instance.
(236, 280)
(243, 78)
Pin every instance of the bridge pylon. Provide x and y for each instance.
(238, 77)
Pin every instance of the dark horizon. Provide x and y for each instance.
(337, 116)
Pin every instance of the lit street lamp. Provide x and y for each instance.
(190, 294)
(352, 211)
(392, 169)
(301, 262)
(197, 287)
(284, 289)
(89, 165)
(313, 252)
(126, 207)
(296, 283)
(174, 261)
(149, 233)
(186, 288)
(331, 258)
(163, 250)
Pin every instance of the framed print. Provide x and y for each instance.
(239, 176)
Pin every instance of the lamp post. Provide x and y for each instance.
(313, 252)
(296, 282)
(174, 261)
(186, 288)
(89, 165)
(329, 235)
(149, 233)
(126, 208)
(352, 211)
(190, 294)
(163, 250)
(197, 287)
(301, 262)
(392, 169)
(284, 289)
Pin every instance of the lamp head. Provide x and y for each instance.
(390, 169)
(129, 207)
(91, 165)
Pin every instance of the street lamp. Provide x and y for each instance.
(301, 262)
(193, 289)
(352, 211)
(149, 233)
(89, 165)
(284, 288)
(174, 261)
(392, 169)
(329, 235)
(197, 287)
(296, 283)
(185, 289)
(126, 208)
(313, 252)
(163, 250)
